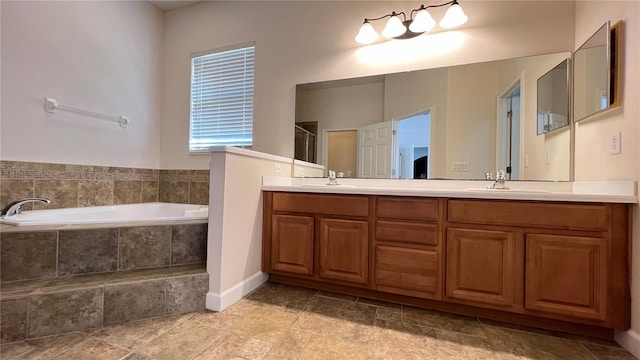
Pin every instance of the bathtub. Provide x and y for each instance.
(144, 212)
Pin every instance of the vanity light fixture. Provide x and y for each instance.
(412, 27)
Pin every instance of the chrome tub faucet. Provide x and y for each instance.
(15, 208)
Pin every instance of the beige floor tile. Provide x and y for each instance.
(535, 346)
(133, 335)
(321, 348)
(93, 349)
(44, 348)
(394, 340)
(284, 297)
(334, 327)
(290, 346)
(379, 303)
(241, 308)
(184, 341)
(334, 295)
(254, 349)
(223, 347)
(217, 319)
(390, 314)
(609, 352)
(138, 356)
(440, 320)
(266, 324)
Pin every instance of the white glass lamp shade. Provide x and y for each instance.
(367, 34)
(423, 22)
(453, 17)
(394, 27)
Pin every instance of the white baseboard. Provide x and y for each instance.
(629, 340)
(218, 302)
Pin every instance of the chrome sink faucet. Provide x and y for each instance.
(500, 182)
(332, 178)
(16, 207)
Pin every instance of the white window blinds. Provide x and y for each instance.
(222, 99)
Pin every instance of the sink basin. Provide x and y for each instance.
(329, 186)
(520, 191)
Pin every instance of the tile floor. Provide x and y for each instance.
(286, 322)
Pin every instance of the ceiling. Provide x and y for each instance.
(171, 4)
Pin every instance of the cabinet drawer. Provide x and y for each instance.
(412, 272)
(407, 208)
(407, 232)
(322, 204)
(593, 217)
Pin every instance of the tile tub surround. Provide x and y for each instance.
(71, 279)
(34, 308)
(70, 185)
(285, 322)
(28, 255)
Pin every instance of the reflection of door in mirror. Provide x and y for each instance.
(305, 141)
(412, 146)
(375, 143)
(510, 130)
(508, 143)
(341, 151)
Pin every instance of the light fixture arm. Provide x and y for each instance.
(393, 13)
(422, 7)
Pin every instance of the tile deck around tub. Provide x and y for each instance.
(44, 307)
(286, 322)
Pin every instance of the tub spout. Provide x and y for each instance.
(15, 208)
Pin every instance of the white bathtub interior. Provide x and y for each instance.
(141, 212)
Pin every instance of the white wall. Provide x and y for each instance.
(234, 249)
(407, 93)
(593, 161)
(310, 41)
(333, 108)
(100, 56)
(535, 146)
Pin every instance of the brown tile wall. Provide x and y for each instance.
(69, 185)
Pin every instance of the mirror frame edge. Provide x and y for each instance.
(614, 88)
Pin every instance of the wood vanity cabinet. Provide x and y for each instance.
(539, 263)
(317, 236)
(484, 266)
(565, 261)
(408, 246)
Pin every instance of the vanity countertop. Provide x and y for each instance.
(579, 191)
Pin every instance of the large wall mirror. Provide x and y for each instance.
(594, 75)
(553, 98)
(457, 122)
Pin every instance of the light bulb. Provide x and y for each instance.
(423, 22)
(453, 17)
(367, 34)
(394, 27)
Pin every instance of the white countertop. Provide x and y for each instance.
(581, 191)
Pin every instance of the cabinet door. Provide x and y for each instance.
(292, 244)
(344, 250)
(405, 271)
(566, 275)
(481, 266)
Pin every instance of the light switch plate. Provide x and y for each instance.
(614, 144)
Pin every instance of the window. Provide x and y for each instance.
(222, 98)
